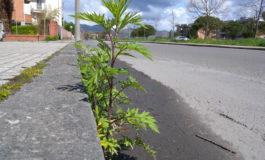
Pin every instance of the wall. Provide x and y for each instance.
(11, 37)
(53, 31)
(53, 28)
(212, 34)
(201, 34)
(28, 18)
(18, 13)
(65, 34)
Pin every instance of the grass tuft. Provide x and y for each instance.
(26, 76)
(4, 93)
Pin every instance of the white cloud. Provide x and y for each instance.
(230, 10)
(165, 17)
(153, 12)
(94, 6)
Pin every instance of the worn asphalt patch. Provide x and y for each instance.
(178, 125)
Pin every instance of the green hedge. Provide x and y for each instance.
(52, 38)
(25, 30)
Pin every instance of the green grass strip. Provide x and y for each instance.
(26, 76)
(242, 42)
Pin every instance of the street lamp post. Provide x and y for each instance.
(77, 21)
(44, 21)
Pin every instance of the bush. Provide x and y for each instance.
(25, 30)
(52, 38)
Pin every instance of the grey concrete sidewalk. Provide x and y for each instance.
(16, 56)
(50, 118)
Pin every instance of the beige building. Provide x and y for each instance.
(26, 11)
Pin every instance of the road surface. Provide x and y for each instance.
(226, 87)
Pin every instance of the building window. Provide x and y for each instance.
(27, 1)
(39, 6)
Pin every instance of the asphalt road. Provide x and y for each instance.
(178, 125)
(225, 87)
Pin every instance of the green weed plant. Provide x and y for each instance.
(105, 91)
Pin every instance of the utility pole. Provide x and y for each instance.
(77, 21)
(173, 24)
(44, 21)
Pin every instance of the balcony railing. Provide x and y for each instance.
(37, 10)
(27, 1)
(39, 4)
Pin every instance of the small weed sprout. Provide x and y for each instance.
(25, 76)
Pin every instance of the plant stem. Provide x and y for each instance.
(111, 79)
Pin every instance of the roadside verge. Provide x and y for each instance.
(205, 45)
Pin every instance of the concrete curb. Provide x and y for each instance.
(50, 118)
(206, 45)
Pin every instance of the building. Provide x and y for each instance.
(20, 16)
(32, 12)
(183, 30)
(26, 11)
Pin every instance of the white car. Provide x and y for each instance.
(2, 33)
(182, 38)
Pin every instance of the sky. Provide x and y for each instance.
(156, 12)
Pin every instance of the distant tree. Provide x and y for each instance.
(207, 9)
(208, 24)
(6, 10)
(249, 28)
(262, 24)
(193, 32)
(262, 27)
(257, 8)
(143, 32)
(69, 26)
(234, 29)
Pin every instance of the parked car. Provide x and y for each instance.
(2, 33)
(182, 38)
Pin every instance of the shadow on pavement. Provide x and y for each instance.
(79, 87)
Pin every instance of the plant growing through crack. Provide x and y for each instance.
(105, 91)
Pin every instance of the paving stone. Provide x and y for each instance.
(14, 56)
